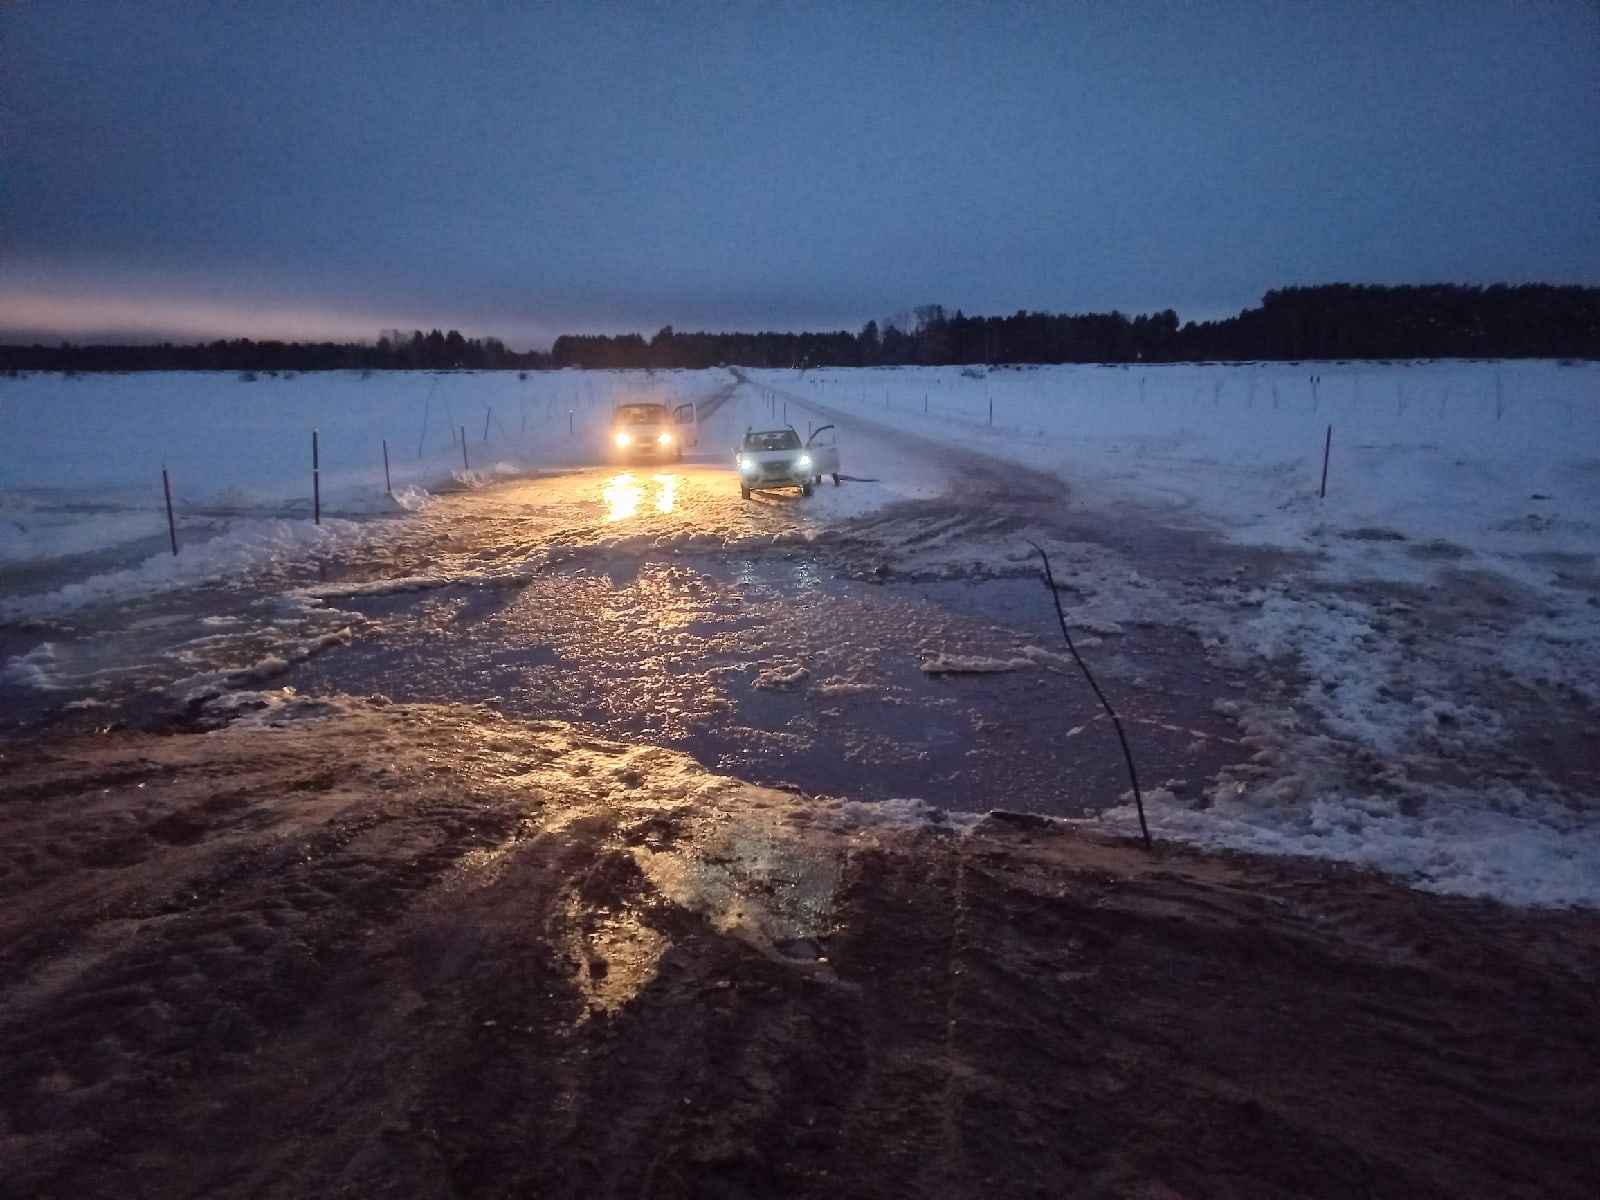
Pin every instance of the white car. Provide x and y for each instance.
(776, 458)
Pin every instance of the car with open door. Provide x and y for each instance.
(646, 429)
(777, 458)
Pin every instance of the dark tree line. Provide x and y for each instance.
(932, 337)
(1435, 321)
(669, 349)
(1324, 322)
(392, 352)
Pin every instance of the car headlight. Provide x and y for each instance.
(623, 439)
(665, 439)
(746, 464)
(803, 462)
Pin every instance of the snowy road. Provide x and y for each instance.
(1354, 692)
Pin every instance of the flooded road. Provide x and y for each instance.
(855, 643)
(775, 645)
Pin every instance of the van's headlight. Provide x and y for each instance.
(746, 464)
(804, 462)
(623, 439)
(665, 439)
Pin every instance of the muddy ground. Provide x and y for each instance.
(340, 948)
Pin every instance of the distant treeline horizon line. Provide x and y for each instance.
(1318, 323)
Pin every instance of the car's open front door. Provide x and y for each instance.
(824, 450)
(688, 426)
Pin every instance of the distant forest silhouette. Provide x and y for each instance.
(1333, 321)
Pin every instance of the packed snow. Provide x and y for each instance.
(1477, 480)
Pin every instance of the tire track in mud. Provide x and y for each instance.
(127, 971)
(454, 955)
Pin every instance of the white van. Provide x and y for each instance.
(647, 429)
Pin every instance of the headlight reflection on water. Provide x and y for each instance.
(621, 494)
(624, 493)
(666, 497)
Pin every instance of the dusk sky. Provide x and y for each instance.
(319, 170)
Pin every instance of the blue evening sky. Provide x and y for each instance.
(305, 168)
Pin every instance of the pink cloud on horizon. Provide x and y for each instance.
(38, 313)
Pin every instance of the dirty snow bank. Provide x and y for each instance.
(1501, 841)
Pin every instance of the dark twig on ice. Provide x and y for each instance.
(1133, 775)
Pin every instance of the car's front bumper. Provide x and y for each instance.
(645, 448)
(774, 475)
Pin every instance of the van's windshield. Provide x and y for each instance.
(639, 414)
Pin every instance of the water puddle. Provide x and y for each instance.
(771, 670)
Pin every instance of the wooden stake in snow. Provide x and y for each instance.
(427, 405)
(172, 526)
(465, 466)
(387, 486)
(316, 482)
(1327, 445)
(1116, 722)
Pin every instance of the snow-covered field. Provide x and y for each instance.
(1440, 622)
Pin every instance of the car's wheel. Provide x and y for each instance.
(744, 493)
(836, 479)
(805, 489)
(678, 457)
(818, 479)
